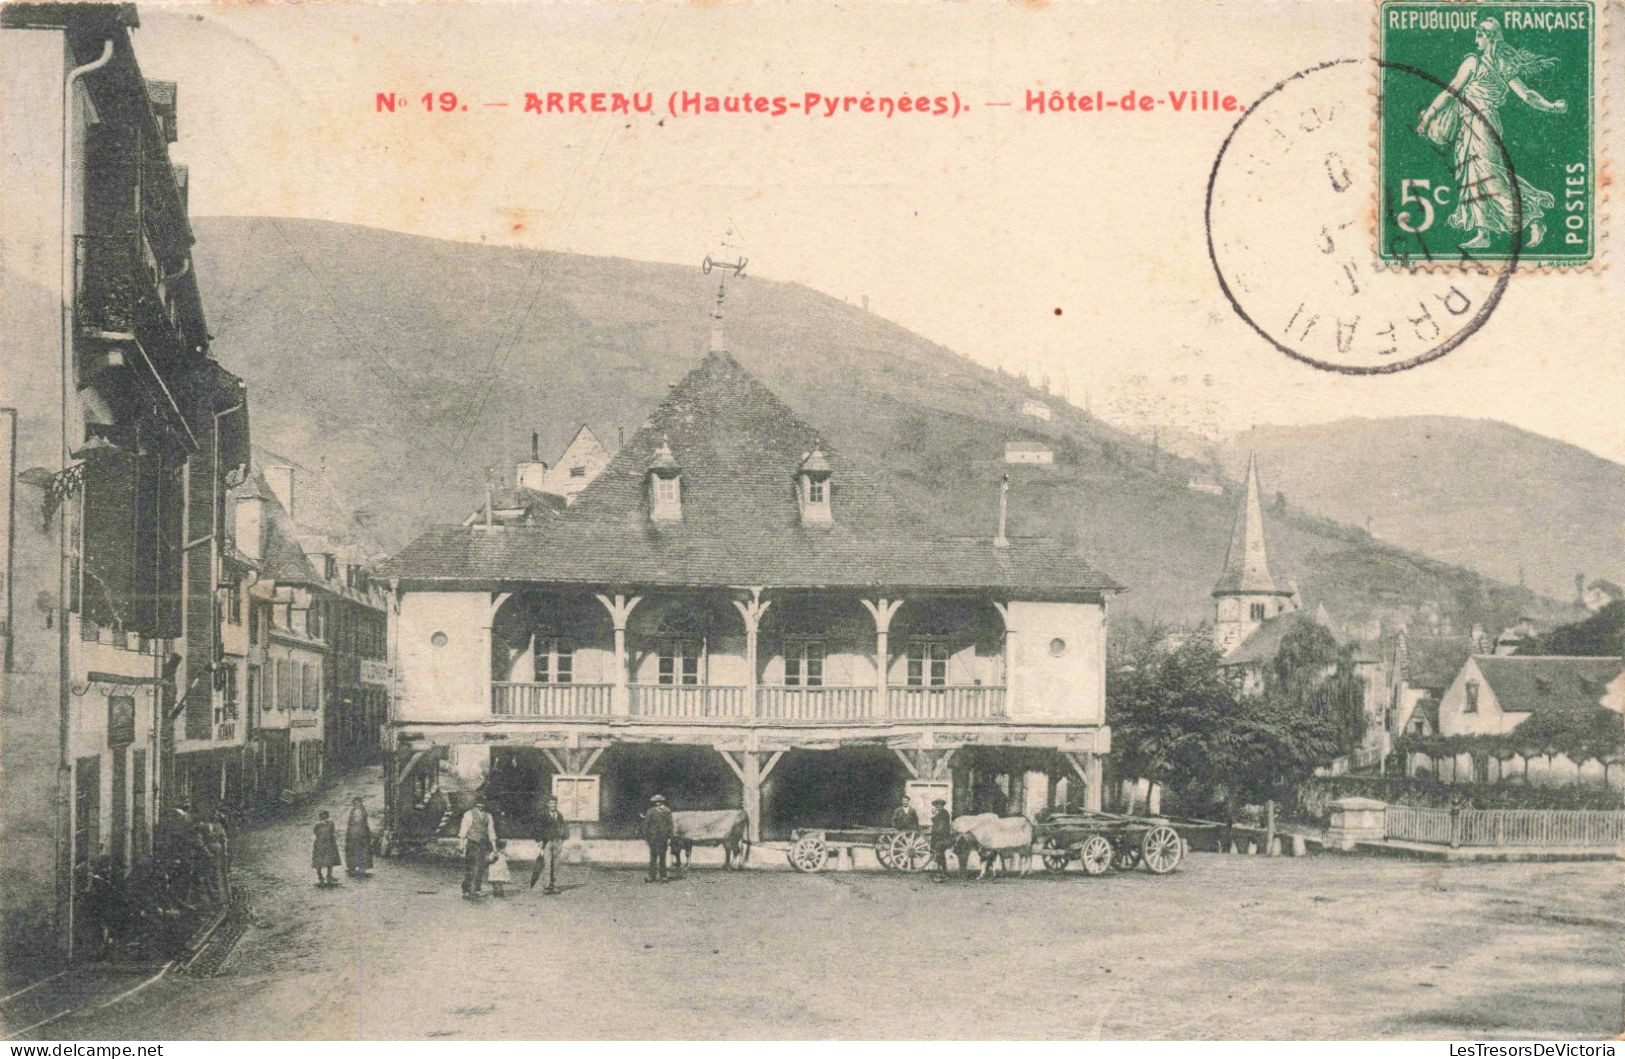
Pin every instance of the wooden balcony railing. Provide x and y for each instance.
(688, 701)
(777, 703)
(953, 702)
(774, 703)
(551, 700)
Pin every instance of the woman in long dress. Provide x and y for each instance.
(324, 849)
(357, 840)
(1486, 203)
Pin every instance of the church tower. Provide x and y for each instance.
(1247, 594)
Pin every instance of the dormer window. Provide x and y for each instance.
(812, 481)
(665, 486)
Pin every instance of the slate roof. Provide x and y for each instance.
(1265, 642)
(1246, 564)
(285, 559)
(739, 448)
(1432, 662)
(533, 502)
(1548, 683)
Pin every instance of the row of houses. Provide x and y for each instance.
(171, 632)
(1421, 686)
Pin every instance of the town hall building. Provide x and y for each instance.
(736, 614)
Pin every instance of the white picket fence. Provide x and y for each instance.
(1554, 828)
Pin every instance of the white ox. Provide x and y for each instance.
(728, 828)
(1005, 837)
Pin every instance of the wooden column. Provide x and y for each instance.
(620, 609)
(752, 610)
(1088, 768)
(1009, 658)
(752, 767)
(882, 610)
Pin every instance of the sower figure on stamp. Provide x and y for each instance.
(478, 837)
(657, 828)
(550, 836)
(1466, 117)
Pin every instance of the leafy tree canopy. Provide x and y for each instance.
(1603, 633)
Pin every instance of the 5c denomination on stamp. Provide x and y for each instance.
(1487, 146)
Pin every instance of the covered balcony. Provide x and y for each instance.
(736, 658)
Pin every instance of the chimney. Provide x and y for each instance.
(531, 474)
(1000, 540)
(489, 501)
(620, 437)
(280, 479)
(1580, 589)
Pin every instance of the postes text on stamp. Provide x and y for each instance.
(1487, 147)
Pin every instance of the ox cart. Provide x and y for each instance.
(902, 851)
(1100, 842)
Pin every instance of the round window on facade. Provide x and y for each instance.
(439, 639)
(1057, 647)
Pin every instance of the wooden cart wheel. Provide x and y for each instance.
(909, 851)
(1126, 858)
(1096, 855)
(809, 853)
(883, 851)
(1056, 862)
(1161, 849)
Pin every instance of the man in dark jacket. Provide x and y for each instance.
(942, 837)
(904, 818)
(657, 833)
(550, 836)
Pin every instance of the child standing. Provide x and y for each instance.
(324, 850)
(497, 875)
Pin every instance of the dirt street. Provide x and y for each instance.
(1228, 947)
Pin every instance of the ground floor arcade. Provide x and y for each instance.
(784, 779)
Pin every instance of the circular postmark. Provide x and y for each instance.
(1290, 230)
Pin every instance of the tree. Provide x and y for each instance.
(1603, 633)
(1171, 710)
(1315, 676)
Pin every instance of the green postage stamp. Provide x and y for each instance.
(1487, 137)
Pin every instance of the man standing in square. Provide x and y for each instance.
(478, 836)
(550, 836)
(657, 827)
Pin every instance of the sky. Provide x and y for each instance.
(1070, 246)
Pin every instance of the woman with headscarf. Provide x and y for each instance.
(357, 840)
(1466, 117)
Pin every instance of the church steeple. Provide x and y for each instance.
(1247, 565)
(1247, 594)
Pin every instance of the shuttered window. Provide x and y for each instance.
(108, 564)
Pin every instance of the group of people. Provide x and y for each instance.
(485, 857)
(324, 853)
(151, 910)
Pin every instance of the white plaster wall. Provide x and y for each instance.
(450, 683)
(1487, 720)
(1066, 688)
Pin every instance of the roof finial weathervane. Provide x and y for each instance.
(724, 267)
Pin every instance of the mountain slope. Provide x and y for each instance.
(1469, 491)
(403, 366)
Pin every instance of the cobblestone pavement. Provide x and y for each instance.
(1227, 947)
